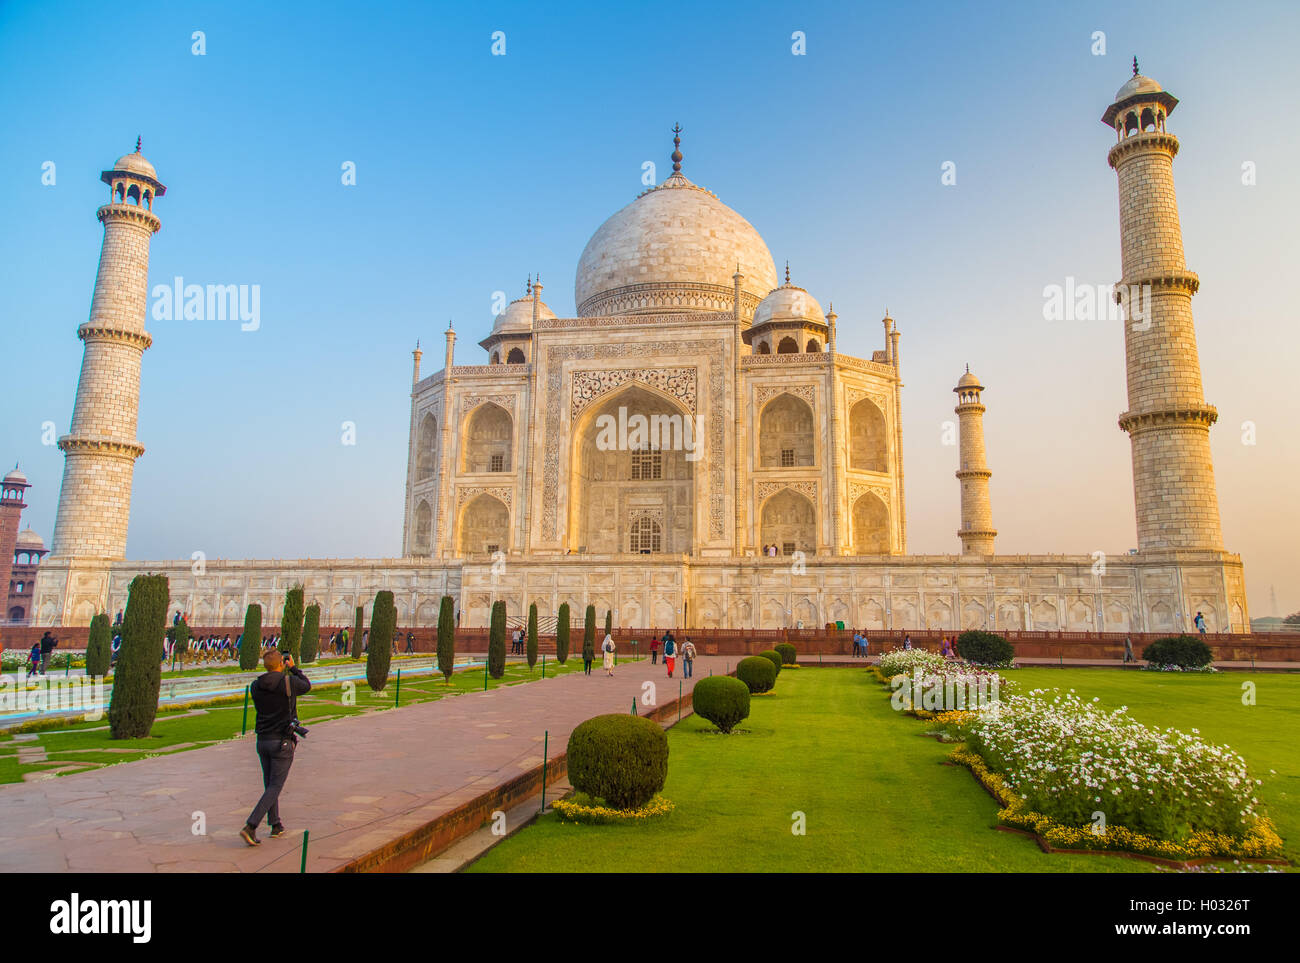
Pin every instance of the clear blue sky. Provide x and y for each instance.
(474, 170)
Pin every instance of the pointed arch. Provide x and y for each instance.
(426, 449)
(786, 432)
(484, 526)
(488, 439)
(870, 525)
(788, 520)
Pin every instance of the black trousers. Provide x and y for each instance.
(276, 756)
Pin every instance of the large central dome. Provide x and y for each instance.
(675, 248)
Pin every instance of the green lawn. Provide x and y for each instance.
(873, 787)
(87, 745)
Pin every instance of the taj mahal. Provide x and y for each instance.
(692, 449)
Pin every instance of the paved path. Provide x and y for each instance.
(356, 783)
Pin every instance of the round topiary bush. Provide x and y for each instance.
(984, 648)
(774, 657)
(758, 673)
(722, 700)
(788, 652)
(622, 759)
(1184, 651)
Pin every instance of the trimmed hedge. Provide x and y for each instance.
(496, 659)
(1184, 651)
(311, 633)
(531, 647)
(99, 648)
(379, 656)
(758, 673)
(291, 623)
(250, 643)
(138, 677)
(789, 654)
(446, 637)
(358, 633)
(774, 657)
(722, 700)
(562, 633)
(984, 648)
(622, 759)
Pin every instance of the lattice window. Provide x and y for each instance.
(646, 536)
(647, 465)
(787, 548)
(493, 549)
(497, 463)
(787, 457)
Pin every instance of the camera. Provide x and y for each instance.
(297, 728)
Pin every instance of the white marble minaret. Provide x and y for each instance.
(100, 448)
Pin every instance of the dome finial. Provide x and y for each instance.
(787, 271)
(1135, 65)
(528, 287)
(968, 367)
(677, 153)
(137, 143)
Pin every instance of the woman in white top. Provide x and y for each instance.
(608, 648)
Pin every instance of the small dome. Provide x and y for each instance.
(968, 380)
(518, 316)
(788, 303)
(15, 477)
(29, 540)
(135, 163)
(1137, 84)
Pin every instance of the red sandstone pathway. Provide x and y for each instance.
(356, 783)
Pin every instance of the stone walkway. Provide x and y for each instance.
(356, 784)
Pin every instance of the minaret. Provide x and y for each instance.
(13, 491)
(417, 354)
(100, 448)
(977, 532)
(1167, 420)
(451, 352)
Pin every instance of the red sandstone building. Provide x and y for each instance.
(20, 551)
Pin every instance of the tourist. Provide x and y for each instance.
(944, 649)
(866, 645)
(1128, 649)
(654, 651)
(34, 660)
(48, 644)
(670, 653)
(907, 641)
(275, 697)
(857, 642)
(118, 620)
(1199, 621)
(343, 641)
(608, 659)
(410, 642)
(365, 641)
(688, 658)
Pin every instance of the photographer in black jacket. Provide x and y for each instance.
(275, 696)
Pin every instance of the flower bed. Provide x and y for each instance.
(581, 808)
(1065, 766)
(903, 661)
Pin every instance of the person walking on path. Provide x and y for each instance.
(34, 660)
(1128, 649)
(670, 653)
(48, 645)
(608, 659)
(688, 658)
(275, 697)
(1199, 622)
(654, 651)
(587, 658)
(410, 642)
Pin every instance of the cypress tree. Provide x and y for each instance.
(250, 648)
(139, 662)
(609, 622)
(532, 635)
(589, 633)
(291, 623)
(562, 633)
(357, 632)
(497, 641)
(446, 637)
(311, 633)
(99, 648)
(383, 623)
